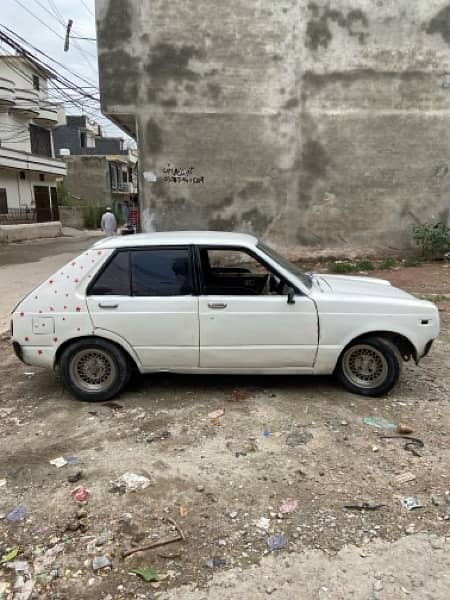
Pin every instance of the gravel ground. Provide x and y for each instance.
(224, 480)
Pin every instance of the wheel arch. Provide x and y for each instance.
(401, 342)
(66, 343)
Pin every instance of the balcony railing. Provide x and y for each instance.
(18, 216)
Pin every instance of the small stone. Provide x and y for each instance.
(233, 514)
(375, 448)
(344, 423)
(410, 530)
(270, 590)
(200, 488)
(378, 585)
(435, 501)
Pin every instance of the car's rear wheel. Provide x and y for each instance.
(94, 369)
(370, 366)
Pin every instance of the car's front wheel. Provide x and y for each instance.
(94, 369)
(370, 366)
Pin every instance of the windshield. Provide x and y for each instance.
(291, 267)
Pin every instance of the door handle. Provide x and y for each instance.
(217, 305)
(107, 305)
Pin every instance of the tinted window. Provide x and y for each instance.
(161, 272)
(115, 279)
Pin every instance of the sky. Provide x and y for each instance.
(43, 24)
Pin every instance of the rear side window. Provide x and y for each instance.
(114, 279)
(161, 272)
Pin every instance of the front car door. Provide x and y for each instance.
(145, 295)
(246, 323)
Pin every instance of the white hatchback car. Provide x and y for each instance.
(212, 302)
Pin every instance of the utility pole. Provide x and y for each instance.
(67, 39)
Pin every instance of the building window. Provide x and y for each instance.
(40, 141)
(113, 176)
(36, 84)
(3, 202)
(22, 175)
(83, 140)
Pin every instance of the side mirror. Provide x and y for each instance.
(291, 296)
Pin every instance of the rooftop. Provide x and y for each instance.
(221, 238)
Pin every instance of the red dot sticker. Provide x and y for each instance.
(76, 280)
(40, 312)
(65, 308)
(55, 339)
(52, 309)
(73, 264)
(92, 261)
(51, 281)
(78, 309)
(64, 318)
(39, 351)
(22, 314)
(99, 252)
(27, 339)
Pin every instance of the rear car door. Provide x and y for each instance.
(145, 295)
(245, 319)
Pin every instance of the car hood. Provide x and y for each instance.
(354, 285)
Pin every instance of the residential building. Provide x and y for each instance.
(29, 170)
(309, 123)
(100, 169)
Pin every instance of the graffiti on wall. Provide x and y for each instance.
(180, 175)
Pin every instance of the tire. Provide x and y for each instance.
(94, 369)
(370, 366)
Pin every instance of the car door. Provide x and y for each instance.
(146, 296)
(246, 321)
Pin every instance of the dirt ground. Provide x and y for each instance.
(280, 438)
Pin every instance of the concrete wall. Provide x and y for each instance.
(88, 178)
(306, 122)
(30, 231)
(71, 216)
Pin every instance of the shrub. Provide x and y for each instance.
(433, 239)
(63, 194)
(412, 261)
(388, 263)
(364, 265)
(341, 267)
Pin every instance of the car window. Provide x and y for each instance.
(114, 279)
(161, 272)
(234, 271)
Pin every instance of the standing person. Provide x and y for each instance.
(109, 223)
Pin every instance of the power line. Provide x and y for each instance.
(38, 19)
(87, 8)
(20, 50)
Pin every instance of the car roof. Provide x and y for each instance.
(162, 238)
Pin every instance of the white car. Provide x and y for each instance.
(212, 302)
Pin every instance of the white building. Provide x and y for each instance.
(28, 168)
